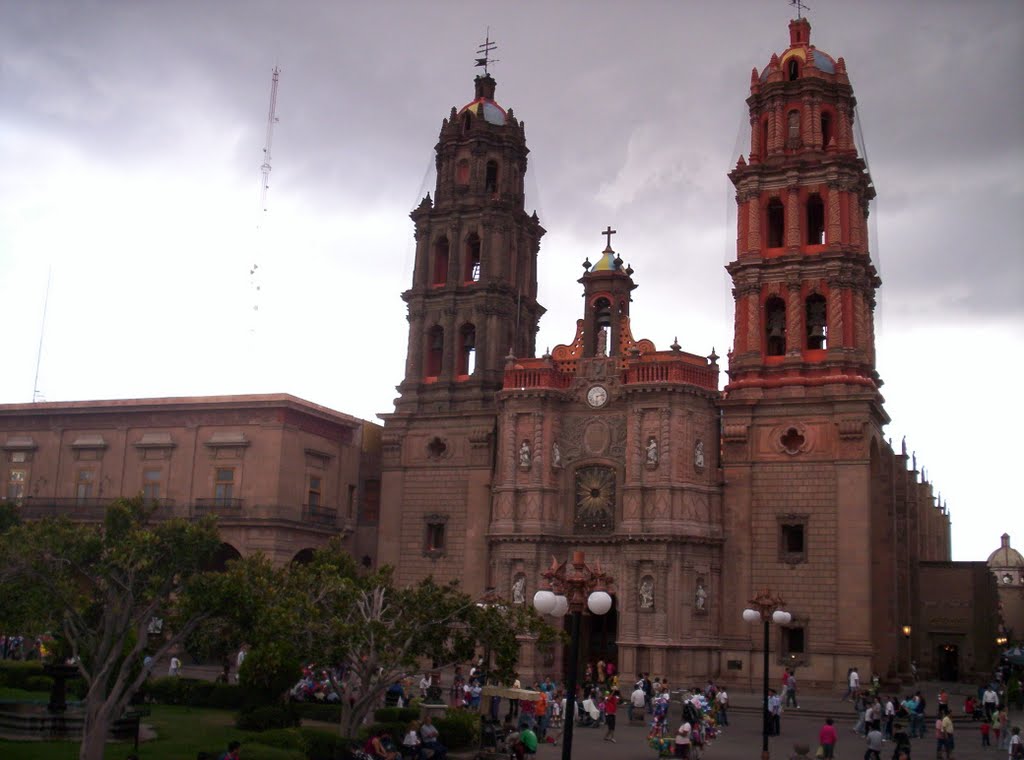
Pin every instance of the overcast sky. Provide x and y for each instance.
(131, 138)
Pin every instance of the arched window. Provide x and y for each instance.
(440, 262)
(815, 220)
(471, 268)
(793, 69)
(602, 321)
(776, 223)
(467, 351)
(817, 322)
(793, 129)
(435, 350)
(775, 326)
(491, 177)
(462, 172)
(826, 128)
(764, 137)
(467, 122)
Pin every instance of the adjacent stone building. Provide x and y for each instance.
(281, 474)
(694, 498)
(1007, 567)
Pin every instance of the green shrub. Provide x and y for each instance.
(15, 673)
(322, 711)
(459, 729)
(267, 717)
(39, 683)
(225, 696)
(396, 714)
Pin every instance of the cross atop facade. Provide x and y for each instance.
(485, 50)
(608, 234)
(800, 7)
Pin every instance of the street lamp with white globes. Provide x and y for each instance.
(567, 588)
(766, 607)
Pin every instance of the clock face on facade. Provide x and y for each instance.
(597, 396)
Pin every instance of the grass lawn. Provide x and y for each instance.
(182, 732)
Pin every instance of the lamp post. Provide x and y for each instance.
(569, 587)
(767, 608)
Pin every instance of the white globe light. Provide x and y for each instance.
(561, 606)
(544, 601)
(752, 616)
(781, 618)
(599, 602)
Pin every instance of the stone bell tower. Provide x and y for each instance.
(802, 415)
(473, 299)
(474, 289)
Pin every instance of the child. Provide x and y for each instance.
(985, 728)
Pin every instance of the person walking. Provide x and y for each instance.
(827, 738)
(791, 691)
(1016, 745)
(683, 740)
(723, 707)
(874, 742)
(611, 707)
(774, 713)
(947, 734)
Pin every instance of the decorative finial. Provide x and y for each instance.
(486, 49)
(798, 4)
(608, 234)
(617, 262)
(675, 344)
(629, 270)
(713, 357)
(587, 264)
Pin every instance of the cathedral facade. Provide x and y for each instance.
(695, 491)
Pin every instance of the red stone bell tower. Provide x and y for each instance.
(802, 415)
(473, 298)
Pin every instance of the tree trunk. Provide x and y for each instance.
(94, 732)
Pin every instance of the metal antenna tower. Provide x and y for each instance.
(254, 275)
(36, 393)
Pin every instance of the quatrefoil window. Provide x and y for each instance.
(792, 441)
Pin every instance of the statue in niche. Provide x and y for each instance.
(525, 455)
(519, 589)
(652, 452)
(700, 597)
(647, 593)
(698, 454)
(556, 456)
(602, 342)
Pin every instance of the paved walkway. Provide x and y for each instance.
(742, 739)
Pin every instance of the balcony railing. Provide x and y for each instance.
(217, 506)
(672, 372)
(319, 514)
(95, 509)
(545, 377)
(80, 508)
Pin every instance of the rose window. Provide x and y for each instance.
(595, 500)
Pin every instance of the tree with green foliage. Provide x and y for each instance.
(99, 586)
(376, 631)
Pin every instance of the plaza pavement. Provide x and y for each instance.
(741, 740)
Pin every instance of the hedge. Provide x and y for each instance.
(459, 729)
(322, 711)
(192, 692)
(268, 717)
(14, 674)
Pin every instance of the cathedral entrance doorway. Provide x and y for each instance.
(597, 641)
(947, 661)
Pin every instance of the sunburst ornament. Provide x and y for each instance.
(595, 498)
